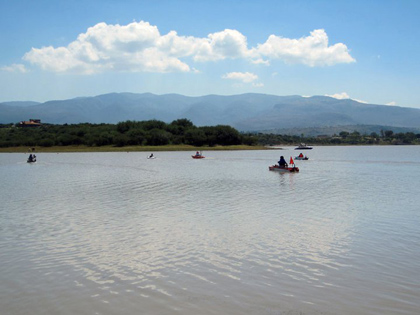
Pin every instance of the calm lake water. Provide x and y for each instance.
(116, 233)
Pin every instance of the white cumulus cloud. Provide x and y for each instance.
(343, 96)
(360, 101)
(339, 96)
(139, 47)
(312, 50)
(261, 62)
(136, 47)
(222, 45)
(15, 68)
(245, 77)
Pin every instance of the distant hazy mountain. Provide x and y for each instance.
(246, 112)
(20, 103)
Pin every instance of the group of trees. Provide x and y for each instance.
(344, 137)
(151, 132)
(385, 137)
(180, 131)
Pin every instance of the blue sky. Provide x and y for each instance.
(365, 50)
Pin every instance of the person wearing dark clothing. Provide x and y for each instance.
(282, 162)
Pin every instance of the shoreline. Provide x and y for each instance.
(109, 148)
(76, 149)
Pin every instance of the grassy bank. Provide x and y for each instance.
(83, 148)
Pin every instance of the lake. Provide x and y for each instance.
(117, 233)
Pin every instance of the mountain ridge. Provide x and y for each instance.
(246, 112)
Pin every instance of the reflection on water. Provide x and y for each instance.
(105, 233)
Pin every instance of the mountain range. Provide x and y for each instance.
(246, 112)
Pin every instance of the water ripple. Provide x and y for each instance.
(222, 235)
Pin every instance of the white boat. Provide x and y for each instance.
(303, 146)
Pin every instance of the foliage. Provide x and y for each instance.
(126, 133)
(178, 132)
(343, 138)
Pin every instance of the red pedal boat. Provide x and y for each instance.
(277, 168)
(198, 155)
(291, 168)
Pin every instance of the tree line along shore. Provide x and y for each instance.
(180, 134)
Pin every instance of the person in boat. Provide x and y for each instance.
(31, 158)
(282, 162)
(197, 153)
(151, 155)
(301, 155)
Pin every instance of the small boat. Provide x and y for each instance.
(31, 160)
(303, 146)
(302, 158)
(198, 155)
(151, 157)
(277, 168)
(285, 169)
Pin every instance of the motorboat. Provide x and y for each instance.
(277, 168)
(303, 146)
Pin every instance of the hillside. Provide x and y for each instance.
(246, 112)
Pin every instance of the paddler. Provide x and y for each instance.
(282, 162)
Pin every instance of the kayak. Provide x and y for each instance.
(277, 168)
(197, 156)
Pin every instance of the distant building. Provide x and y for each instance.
(30, 123)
